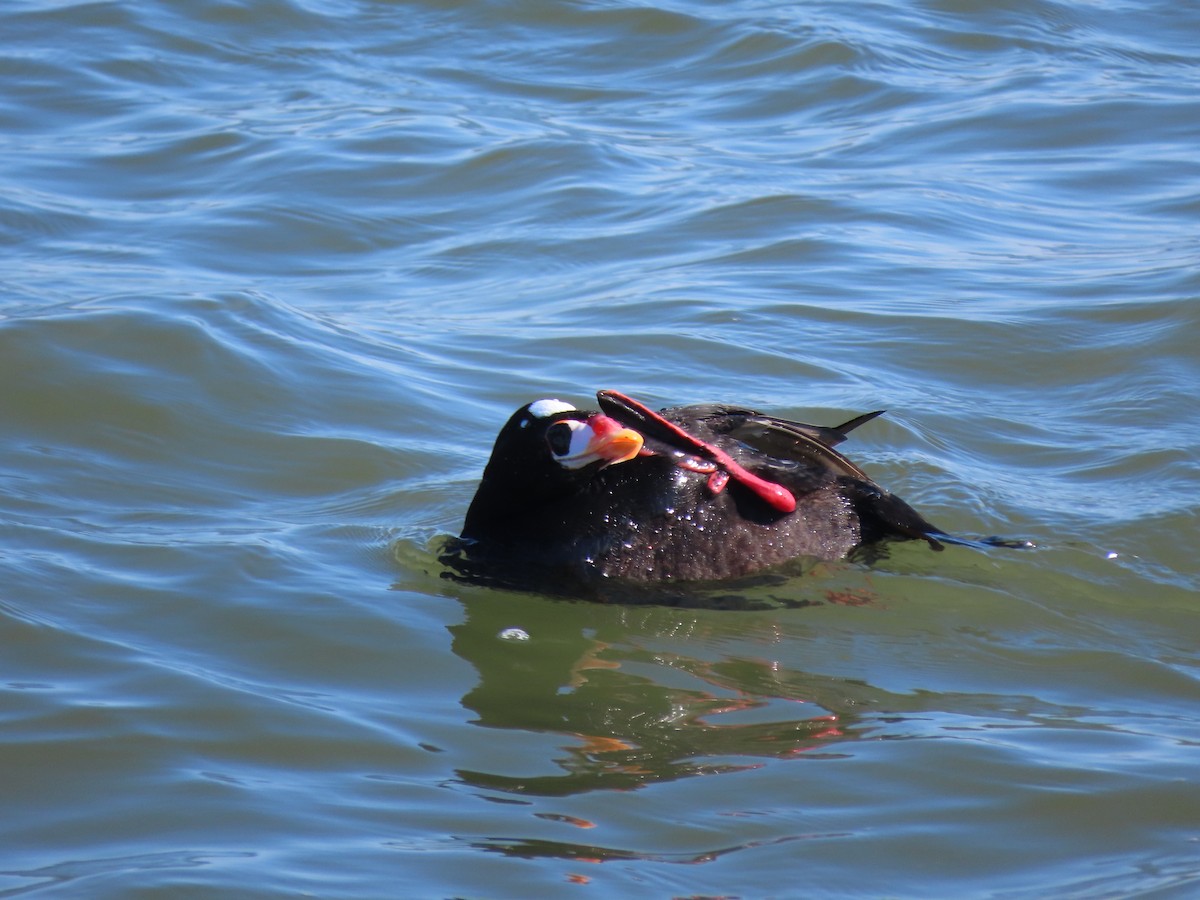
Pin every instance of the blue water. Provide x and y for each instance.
(274, 273)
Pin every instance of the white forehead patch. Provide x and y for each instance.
(543, 408)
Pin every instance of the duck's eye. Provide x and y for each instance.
(558, 436)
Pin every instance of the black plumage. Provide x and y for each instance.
(694, 493)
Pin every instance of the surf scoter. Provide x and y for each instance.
(693, 493)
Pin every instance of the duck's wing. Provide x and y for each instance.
(779, 439)
(742, 432)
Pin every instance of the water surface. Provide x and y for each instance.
(276, 272)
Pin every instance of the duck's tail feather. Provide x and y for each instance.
(846, 427)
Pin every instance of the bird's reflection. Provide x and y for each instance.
(631, 702)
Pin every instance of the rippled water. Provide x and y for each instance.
(274, 274)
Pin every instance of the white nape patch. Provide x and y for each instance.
(543, 408)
